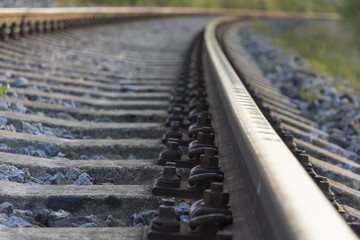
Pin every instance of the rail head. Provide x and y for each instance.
(10, 16)
(293, 204)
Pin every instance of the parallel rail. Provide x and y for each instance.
(19, 15)
(50, 19)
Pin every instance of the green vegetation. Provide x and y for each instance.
(329, 46)
(4, 89)
(289, 5)
(350, 12)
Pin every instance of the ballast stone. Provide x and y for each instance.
(6, 208)
(11, 173)
(20, 82)
(17, 222)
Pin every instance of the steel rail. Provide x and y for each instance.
(294, 207)
(24, 15)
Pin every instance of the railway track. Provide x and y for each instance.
(102, 124)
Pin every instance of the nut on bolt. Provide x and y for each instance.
(166, 220)
(171, 151)
(176, 114)
(173, 132)
(203, 120)
(168, 177)
(208, 159)
(216, 197)
(288, 138)
(204, 139)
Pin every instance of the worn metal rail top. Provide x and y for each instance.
(293, 204)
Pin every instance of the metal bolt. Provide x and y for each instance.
(304, 160)
(217, 187)
(325, 187)
(173, 132)
(204, 119)
(215, 197)
(210, 152)
(208, 159)
(289, 141)
(172, 151)
(166, 221)
(174, 125)
(206, 136)
(168, 178)
(169, 171)
(172, 145)
(267, 112)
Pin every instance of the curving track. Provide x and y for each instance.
(98, 99)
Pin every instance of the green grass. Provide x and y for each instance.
(328, 46)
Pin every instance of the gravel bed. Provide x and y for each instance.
(74, 176)
(40, 4)
(11, 217)
(39, 129)
(148, 35)
(22, 82)
(335, 112)
(28, 3)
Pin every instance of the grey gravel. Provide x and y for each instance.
(336, 113)
(3, 218)
(142, 218)
(20, 82)
(11, 173)
(51, 218)
(28, 3)
(73, 176)
(6, 208)
(17, 222)
(84, 179)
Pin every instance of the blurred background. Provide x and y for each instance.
(290, 5)
(332, 48)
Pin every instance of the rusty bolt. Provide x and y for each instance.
(289, 141)
(215, 197)
(304, 160)
(206, 136)
(204, 119)
(325, 187)
(208, 159)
